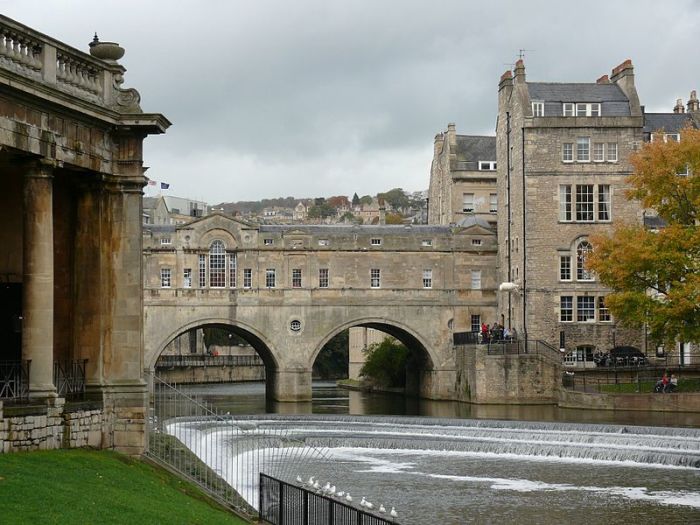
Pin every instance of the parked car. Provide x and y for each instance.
(621, 356)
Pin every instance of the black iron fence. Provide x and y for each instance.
(187, 360)
(639, 380)
(518, 347)
(14, 379)
(69, 378)
(283, 503)
(466, 338)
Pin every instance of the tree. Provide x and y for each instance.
(394, 218)
(355, 200)
(332, 360)
(321, 209)
(339, 201)
(655, 274)
(396, 198)
(366, 199)
(385, 363)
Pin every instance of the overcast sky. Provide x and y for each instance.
(319, 98)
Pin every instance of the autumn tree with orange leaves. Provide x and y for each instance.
(655, 274)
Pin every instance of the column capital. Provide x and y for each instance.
(40, 168)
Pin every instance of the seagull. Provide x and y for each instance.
(348, 498)
(332, 491)
(310, 483)
(369, 505)
(393, 513)
(327, 487)
(363, 503)
(341, 493)
(299, 479)
(381, 508)
(316, 485)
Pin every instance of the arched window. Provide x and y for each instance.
(217, 265)
(582, 251)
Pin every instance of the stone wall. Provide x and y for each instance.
(212, 374)
(52, 427)
(683, 402)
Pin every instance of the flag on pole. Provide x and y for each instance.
(164, 185)
(151, 183)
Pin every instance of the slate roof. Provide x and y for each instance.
(613, 101)
(471, 149)
(472, 220)
(349, 229)
(654, 222)
(669, 122)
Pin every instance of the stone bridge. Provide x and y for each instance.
(288, 290)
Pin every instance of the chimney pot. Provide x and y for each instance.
(605, 79)
(679, 107)
(693, 102)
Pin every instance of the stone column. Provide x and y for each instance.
(38, 279)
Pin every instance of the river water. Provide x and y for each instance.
(458, 463)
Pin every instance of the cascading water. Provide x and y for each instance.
(450, 471)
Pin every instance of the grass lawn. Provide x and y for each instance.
(86, 487)
(645, 387)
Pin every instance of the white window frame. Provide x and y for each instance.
(323, 279)
(565, 268)
(324, 242)
(165, 241)
(296, 278)
(598, 152)
(426, 242)
(375, 278)
(567, 152)
(476, 242)
(270, 278)
(493, 202)
(476, 280)
(589, 210)
(583, 248)
(232, 270)
(611, 155)
(217, 264)
(538, 108)
(604, 204)
(375, 241)
(565, 203)
(487, 165)
(202, 269)
(428, 278)
(603, 311)
(585, 309)
(187, 278)
(588, 109)
(566, 308)
(247, 278)
(165, 278)
(568, 109)
(583, 149)
(268, 242)
(467, 202)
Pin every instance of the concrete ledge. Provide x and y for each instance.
(683, 402)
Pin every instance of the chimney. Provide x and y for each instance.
(693, 102)
(520, 71)
(452, 134)
(605, 79)
(506, 80)
(623, 76)
(382, 212)
(439, 143)
(679, 107)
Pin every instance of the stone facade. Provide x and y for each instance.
(289, 289)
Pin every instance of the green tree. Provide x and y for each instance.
(332, 360)
(366, 199)
(321, 209)
(355, 200)
(385, 363)
(394, 218)
(396, 198)
(655, 274)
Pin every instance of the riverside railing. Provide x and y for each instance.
(14, 379)
(630, 380)
(283, 503)
(222, 454)
(187, 360)
(522, 347)
(69, 378)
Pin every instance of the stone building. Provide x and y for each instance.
(71, 144)
(462, 178)
(167, 209)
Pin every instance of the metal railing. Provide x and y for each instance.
(14, 379)
(640, 380)
(69, 378)
(283, 503)
(187, 360)
(521, 347)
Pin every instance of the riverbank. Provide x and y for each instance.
(363, 386)
(87, 486)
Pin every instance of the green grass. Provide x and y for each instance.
(645, 387)
(86, 487)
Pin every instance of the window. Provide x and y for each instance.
(476, 242)
(584, 202)
(267, 242)
(562, 340)
(324, 242)
(323, 278)
(565, 267)
(165, 277)
(217, 265)
(568, 109)
(585, 309)
(375, 242)
(487, 165)
(566, 308)
(202, 271)
(538, 109)
(476, 323)
(232, 260)
(295, 325)
(583, 149)
(427, 278)
(604, 202)
(375, 277)
(675, 137)
(598, 152)
(612, 151)
(476, 279)
(587, 110)
(247, 277)
(493, 205)
(165, 240)
(565, 202)
(270, 278)
(567, 152)
(296, 278)
(426, 242)
(584, 353)
(467, 202)
(582, 251)
(187, 278)
(603, 312)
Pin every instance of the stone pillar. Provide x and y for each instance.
(291, 385)
(38, 279)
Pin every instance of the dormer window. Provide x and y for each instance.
(375, 242)
(569, 109)
(267, 242)
(587, 110)
(485, 165)
(165, 240)
(538, 108)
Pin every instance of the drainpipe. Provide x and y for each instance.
(524, 245)
(510, 269)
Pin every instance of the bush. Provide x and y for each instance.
(385, 363)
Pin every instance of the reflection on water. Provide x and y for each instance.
(249, 398)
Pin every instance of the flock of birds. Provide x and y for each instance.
(329, 490)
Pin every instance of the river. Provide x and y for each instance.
(456, 463)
